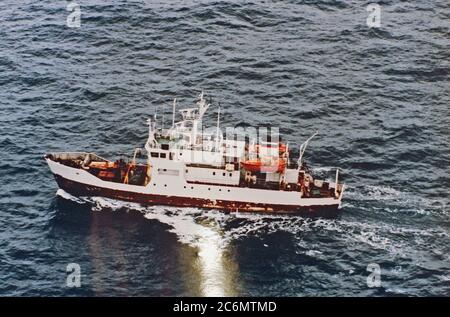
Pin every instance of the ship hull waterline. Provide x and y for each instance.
(84, 190)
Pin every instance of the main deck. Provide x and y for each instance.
(176, 191)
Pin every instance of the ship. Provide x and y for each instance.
(185, 166)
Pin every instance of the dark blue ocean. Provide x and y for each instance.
(378, 96)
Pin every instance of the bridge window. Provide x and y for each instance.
(162, 155)
(154, 154)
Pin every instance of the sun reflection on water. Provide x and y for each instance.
(217, 275)
(207, 259)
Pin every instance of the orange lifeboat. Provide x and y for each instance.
(261, 165)
(271, 161)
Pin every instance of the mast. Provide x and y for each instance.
(287, 155)
(173, 112)
(336, 186)
(217, 131)
(151, 136)
(197, 120)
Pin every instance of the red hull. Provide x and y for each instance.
(79, 189)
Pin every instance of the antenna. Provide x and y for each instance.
(173, 114)
(336, 183)
(287, 154)
(218, 124)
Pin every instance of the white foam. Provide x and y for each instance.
(393, 200)
(210, 230)
(63, 194)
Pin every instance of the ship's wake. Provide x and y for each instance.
(194, 226)
(212, 233)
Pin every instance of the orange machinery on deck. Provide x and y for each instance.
(266, 163)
